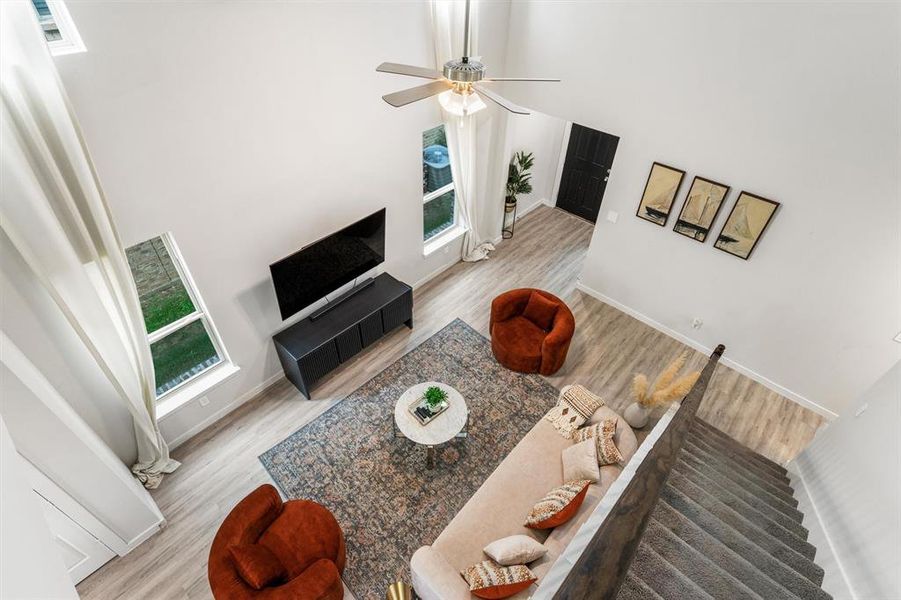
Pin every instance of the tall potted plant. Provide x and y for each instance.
(519, 176)
(519, 181)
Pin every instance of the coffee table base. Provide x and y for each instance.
(430, 450)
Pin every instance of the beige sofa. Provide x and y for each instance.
(499, 508)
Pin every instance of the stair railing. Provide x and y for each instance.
(602, 567)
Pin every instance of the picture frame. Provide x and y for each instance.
(747, 221)
(659, 194)
(701, 207)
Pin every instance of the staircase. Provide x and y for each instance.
(726, 525)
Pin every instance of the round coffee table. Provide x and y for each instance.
(446, 426)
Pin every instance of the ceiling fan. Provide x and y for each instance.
(459, 85)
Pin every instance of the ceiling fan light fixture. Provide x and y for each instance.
(461, 104)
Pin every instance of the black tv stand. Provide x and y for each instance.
(348, 294)
(311, 348)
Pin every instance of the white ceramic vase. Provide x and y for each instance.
(636, 415)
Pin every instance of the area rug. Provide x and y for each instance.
(387, 502)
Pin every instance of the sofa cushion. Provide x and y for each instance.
(580, 461)
(515, 550)
(488, 579)
(257, 565)
(602, 434)
(541, 311)
(498, 507)
(558, 506)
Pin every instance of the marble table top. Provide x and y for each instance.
(442, 428)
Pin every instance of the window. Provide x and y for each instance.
(59, 30)
(439, 211)
(183, 341)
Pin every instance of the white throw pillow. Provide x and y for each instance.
(580, 461)
(515, 550)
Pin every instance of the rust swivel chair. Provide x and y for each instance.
(531, 331)
(269, 549)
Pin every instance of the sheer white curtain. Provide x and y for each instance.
(475, 142)
(53, 213)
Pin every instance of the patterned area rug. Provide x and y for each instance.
(387, 502)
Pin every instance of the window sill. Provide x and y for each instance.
(443, 239)
(191, 390)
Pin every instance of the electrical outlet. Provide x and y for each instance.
(612, 216)
(696, 323)
(204, 401)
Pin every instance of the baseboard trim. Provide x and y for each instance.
(521, 215)
(143, 537)
(434, 274)
(245, 397)
(766, 382)
(838, 587)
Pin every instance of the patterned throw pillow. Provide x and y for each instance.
(603, 432)
(558, 506)
(575, 406)
(488, 579)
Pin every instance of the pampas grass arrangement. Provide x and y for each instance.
(667, 387)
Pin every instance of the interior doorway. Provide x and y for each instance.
(586, 168)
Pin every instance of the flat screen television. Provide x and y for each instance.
(323, 266)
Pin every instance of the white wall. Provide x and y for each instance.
(31, 566)
(249, 130)
(542, 135)
(852, 475)
(797, 102)
(48, 432)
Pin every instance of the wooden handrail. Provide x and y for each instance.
(603, 565)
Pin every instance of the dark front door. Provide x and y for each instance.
(585, 171)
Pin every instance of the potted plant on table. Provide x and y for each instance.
(519, 181)
(666, 389)
(434, 397)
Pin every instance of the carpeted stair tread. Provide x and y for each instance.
(775, 485)
(739, 457)
(740, 474)
(743, 536)
(634, 588)
(665, 579)
(693, 564)
(741, 500)
(711, 494)
(733, 480)
(717, 438)
(744, 560)
(724, 438)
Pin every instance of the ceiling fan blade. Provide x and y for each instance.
(404, 97)
(399, 69)
(500, 100)
(489, 79)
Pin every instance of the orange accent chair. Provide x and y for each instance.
(269, 549)
(531, 331)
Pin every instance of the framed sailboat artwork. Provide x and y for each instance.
(746, 223)
(659, 193)
(705, 198)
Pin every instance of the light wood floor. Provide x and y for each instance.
(220, 466)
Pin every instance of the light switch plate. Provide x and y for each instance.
(612, 216)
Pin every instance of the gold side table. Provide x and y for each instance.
(399, 591)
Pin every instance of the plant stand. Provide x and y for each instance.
(507, 228)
